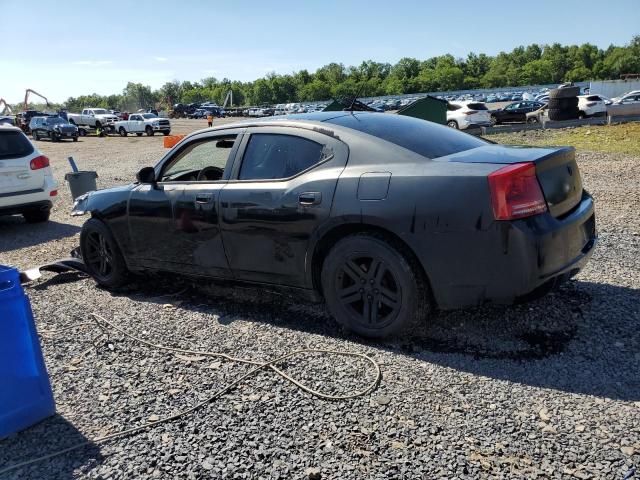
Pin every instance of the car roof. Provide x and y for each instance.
(6, 126)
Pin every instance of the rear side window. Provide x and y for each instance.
(451, 107)
(593, 98)
(273, 156)
(14, 144)
(480, 106)
(420, 136)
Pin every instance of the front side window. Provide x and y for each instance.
(274, 156)
(203, 160)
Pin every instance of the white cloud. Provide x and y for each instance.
(93, 63)
(160, 59)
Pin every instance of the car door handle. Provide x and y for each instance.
(310, 198)
(204, 197)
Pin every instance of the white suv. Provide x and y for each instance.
(27, 186)
(463, 115)
(591, 105)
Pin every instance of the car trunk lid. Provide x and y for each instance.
(556, 169)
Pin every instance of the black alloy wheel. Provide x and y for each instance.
(372, 288)
(369, 290)
(101, 255)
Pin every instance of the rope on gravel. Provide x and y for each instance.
(103, 323)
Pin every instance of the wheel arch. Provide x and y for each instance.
(336, 233)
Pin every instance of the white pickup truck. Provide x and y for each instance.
(140, 123)
(92, 117)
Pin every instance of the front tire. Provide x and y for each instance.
(452, 124)
(101, 254)
(122, 132)
(373, 289)
(34, 135)
(149, 131)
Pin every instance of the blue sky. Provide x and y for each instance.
(81, 47)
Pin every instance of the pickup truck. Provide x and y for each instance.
(140, 123)
(92, 117)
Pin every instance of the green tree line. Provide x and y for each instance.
(531, 65)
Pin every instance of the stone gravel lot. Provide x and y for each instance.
(550, 389)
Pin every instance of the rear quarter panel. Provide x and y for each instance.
(441, 210)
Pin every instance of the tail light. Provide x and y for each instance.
(39, 162)
(53, 193)
(515, 192)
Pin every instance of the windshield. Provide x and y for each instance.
(100, 111)
(55, 121)
(149, 115)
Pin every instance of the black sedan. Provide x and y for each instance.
(383, 216)
(514, 112)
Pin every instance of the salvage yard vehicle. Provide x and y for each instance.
(384, 216)
(53, 128)
(591, 106)
(140, 123)
(27, 186)
(92, 117)
(537, 116)
(514, 112)
(463, 115)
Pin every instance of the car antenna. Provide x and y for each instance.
(355, 98)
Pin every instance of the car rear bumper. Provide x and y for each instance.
(515, 260)
(44, 205)
(34, 196)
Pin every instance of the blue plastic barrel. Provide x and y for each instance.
(25, 392)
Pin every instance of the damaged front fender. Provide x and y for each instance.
(80, 205)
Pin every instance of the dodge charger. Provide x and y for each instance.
(384, 217)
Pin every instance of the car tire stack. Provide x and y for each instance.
(563, 103)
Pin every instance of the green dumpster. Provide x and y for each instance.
(427, 108)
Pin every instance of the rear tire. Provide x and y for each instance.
(557, 114)
(101, 254)
(36, 216)
(34, 135)
(149, 131)
(452, 124)
(373, 289)
(564, 92)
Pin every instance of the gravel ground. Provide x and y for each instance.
(549, 389)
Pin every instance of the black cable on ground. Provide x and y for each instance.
(105, 324)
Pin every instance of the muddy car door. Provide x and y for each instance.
(280, 191)
(201, 169)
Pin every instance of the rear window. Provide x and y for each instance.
(477, 106)
(14, 144)
(420, 136)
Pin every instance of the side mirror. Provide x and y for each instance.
(146, 175)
